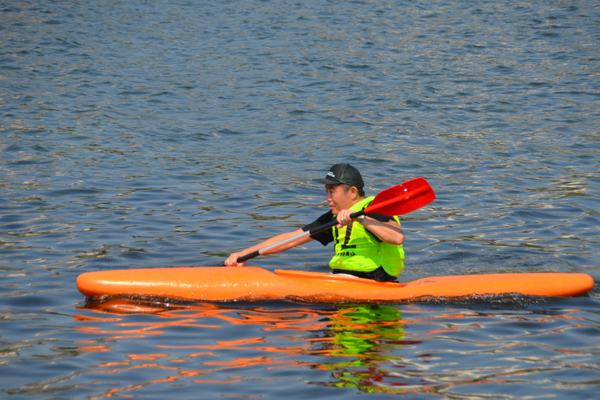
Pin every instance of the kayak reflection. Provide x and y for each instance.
(355, 344)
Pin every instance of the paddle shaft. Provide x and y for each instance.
(301, 235)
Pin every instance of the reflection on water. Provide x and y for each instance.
(364, 347)
(366, 335)
(354, 344)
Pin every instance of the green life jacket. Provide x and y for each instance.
(357, 249)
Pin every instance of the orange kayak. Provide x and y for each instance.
(254, 284)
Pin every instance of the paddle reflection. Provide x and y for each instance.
(359, 340)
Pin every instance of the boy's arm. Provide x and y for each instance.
(232, 259)
(388, 231)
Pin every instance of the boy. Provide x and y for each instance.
(368, 247)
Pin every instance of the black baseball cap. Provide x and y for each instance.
(343, 174)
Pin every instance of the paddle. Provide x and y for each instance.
(397, 200)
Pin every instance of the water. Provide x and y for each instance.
(142, 134)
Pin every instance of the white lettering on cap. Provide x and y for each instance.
(331, 174)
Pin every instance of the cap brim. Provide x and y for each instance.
(328, 181)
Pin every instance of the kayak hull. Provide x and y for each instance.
(255, 284)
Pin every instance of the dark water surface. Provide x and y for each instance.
(139, 134)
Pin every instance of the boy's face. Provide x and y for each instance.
(338, 198)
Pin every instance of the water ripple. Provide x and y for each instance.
(142, 133)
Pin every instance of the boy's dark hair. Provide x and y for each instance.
(359, 191)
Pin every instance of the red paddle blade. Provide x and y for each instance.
(403, 198)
